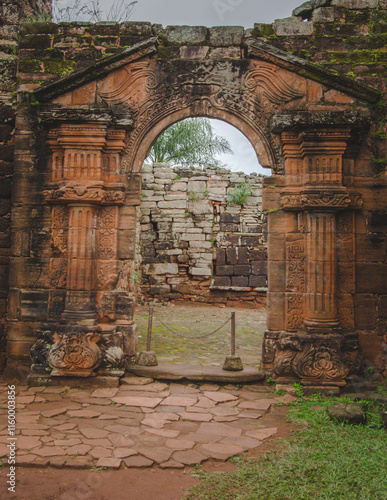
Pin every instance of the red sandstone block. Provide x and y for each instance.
(224, 270)
(258, 281)
(126, 244)
(258, 254)
(222, 281)
(276, 311)
(371, 347)
(365, 312)
(280, 222)
(242, 255)
(220, 257)
(240, 281)
(84, 94)
(259, 267)
(371, 278)
(231, 239)
(250, 241)
(371, 248)
(231, 254)
(277, 276)
(271, 199)
(242, 270)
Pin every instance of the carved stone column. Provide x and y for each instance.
(312, 349)
(85, 183)
(322, 196)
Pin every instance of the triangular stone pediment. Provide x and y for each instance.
(270, 57)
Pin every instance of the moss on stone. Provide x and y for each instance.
(376, 56)
(105, 40)
(104, 29)
(35, 42)
(129, 41)
(38, 28)
(59, 67)
(264, 30)
(136, 28)
(30, 66)
(168, 52)
(377, 42)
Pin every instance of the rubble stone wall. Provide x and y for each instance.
(197, 244)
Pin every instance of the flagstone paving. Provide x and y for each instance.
(141, 424)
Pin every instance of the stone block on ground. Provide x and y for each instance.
(190, 457)
(147, 358)
(352, 413)
(110, 463)
(233, 364)
(138, 461)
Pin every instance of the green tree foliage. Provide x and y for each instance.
(190, 142)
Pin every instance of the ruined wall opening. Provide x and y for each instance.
(204, 242)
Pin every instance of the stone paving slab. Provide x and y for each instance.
(138, 424)
(176, 371)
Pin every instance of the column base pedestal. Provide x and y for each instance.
(322, 327)
(78, 351)
(316, 360)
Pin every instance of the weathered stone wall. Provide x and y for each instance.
(196, 243)
(345, 36)
(9, 18)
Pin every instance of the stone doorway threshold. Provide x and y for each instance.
(184, 371)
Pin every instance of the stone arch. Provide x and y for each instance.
(263, 149)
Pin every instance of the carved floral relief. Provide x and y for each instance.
(75, 354)
(312, 359)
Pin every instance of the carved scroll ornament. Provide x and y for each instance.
(319, 201)
(75, 354)
(311, 358)
(130, 84)
(74, 193)
(265, 79)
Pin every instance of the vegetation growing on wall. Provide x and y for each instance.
(240, 194)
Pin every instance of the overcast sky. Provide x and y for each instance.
(211, 12)
(218, 13)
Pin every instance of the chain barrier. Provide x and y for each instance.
(193, 337)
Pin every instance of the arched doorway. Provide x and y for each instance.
(204, 237)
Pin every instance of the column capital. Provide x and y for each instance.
(328, 200)
(324, 141)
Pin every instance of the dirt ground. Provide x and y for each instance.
(139, 484)
(193, 341)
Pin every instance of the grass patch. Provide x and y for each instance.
(323, 461)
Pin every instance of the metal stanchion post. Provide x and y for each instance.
(149, 336)
(148, 357)
(233, 363)
(233, 334)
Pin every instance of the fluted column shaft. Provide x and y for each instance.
(320, 296)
